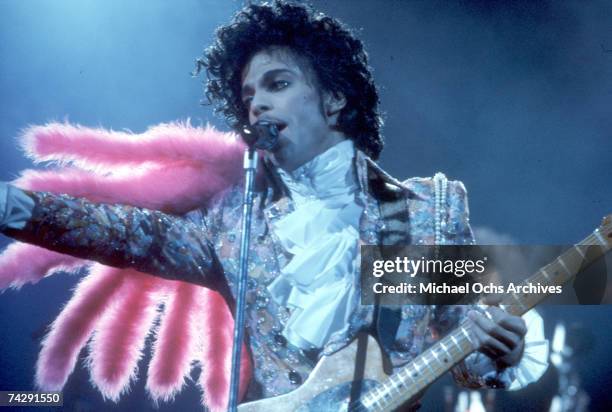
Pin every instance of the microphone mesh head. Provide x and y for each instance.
(263, 135)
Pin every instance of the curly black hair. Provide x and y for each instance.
(336, 56)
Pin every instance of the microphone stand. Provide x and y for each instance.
(249, 165)
(262, 135)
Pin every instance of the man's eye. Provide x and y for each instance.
(279, 85)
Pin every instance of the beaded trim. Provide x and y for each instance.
(440, 189)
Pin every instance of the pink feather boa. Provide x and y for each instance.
(170, 167)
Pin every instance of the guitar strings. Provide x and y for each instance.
(452, 348)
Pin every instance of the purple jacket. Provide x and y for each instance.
(203, 247)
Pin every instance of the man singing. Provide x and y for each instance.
(319, 196)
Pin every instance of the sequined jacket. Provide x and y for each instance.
(203, 247)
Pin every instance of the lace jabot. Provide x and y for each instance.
(322, 234)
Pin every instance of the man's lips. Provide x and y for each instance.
(278, 123)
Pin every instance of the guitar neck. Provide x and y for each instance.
(456, 346)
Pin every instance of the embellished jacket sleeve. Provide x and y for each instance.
(478, 370)
(172, 247)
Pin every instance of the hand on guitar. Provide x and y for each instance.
(499, 335)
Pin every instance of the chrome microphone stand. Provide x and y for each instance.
(263, 135)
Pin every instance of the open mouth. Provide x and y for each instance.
(279, 124)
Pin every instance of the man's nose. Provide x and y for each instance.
(259, 105)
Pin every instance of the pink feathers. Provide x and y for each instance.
(217, 379)
(73, 327)
(21, 264)
(98, 148)
(172, 183)
(171, 167)
(179, 340)
(120, 334)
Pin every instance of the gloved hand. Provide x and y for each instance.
(15, 207)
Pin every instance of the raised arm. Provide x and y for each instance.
(169, 246)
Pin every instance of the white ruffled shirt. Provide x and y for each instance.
(322, 234)
(318, 283)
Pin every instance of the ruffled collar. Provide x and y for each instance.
(322, 235)
(328, 175)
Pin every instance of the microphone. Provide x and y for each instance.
(262, 135)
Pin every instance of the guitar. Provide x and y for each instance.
(353, 378)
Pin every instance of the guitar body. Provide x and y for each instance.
(337, 381)
(353, 378)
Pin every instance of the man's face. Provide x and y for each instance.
(275, 88)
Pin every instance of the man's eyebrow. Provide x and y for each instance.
(247, 88)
